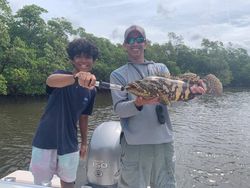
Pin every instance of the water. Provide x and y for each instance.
(212, 137)
(212, 141)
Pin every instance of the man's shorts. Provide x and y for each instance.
(147, 165)
(46, 162)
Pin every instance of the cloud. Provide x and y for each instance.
(224, 20)
(164, 10)
(195, 37)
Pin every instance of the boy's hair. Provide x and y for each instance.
(82, 46)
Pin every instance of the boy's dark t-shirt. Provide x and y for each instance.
(58, 125)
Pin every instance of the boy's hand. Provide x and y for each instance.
(83, 151)
(86, 79)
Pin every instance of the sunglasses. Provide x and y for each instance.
(139, 40)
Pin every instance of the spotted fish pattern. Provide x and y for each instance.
(173, 88)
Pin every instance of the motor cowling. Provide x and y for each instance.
(103, 162)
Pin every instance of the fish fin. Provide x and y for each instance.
(164, 75)
(164, 100)
(188, 77)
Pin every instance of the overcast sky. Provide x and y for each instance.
(222, 20)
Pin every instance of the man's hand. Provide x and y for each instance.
(199, 89)
(140, 101)
(83, 151)
(86, 79)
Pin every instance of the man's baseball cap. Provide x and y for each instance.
(134, 28)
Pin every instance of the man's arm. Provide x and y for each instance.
(83, 125)
(122, 105)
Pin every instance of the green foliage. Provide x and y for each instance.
(17, 78)
(239, 63)
(61, 27)
(29, 26)
(102, 71)
(4, 44)
(4, 39)
(159, 53)
(31, 49)
(3, 85)
(5, 11)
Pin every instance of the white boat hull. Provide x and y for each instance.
(101, 169)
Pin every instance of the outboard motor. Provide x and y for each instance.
(103, 163)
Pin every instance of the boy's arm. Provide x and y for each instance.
(83, 125)
(60, 80)
(84, 79)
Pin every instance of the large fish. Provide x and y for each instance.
(173, 88)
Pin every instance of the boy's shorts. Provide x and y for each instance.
(46, 162)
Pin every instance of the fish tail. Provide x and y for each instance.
(214, 85)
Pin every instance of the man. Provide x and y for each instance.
(71, 99)
(147, 142)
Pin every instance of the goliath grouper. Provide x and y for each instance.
(168, 88)
(174, 88)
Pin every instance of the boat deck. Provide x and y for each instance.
(23, 178)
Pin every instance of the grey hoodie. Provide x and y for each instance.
(139, 126)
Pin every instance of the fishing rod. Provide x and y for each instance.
(106, 85)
